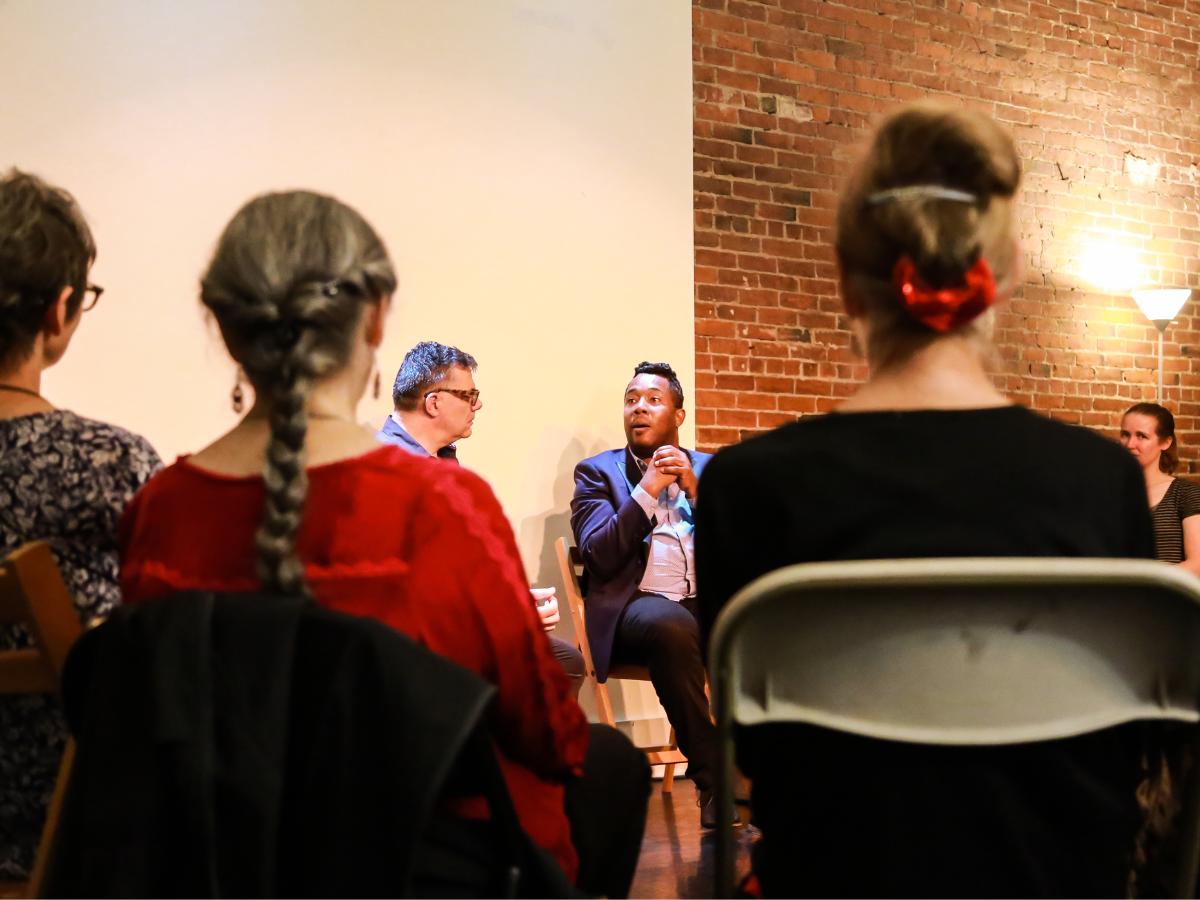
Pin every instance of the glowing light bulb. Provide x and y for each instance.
(1110, 267)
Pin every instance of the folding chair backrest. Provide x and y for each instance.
(960, 651)
(32, 593)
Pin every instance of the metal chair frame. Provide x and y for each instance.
(1062, 580)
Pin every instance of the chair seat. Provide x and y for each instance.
(630, 673)
(668, 755)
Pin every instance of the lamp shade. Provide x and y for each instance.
(1161, 305)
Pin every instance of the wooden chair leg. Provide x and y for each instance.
(668, 777)
(603, 705)
(45, 854)
(669, 768)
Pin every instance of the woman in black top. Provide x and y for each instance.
(927, 459)
(1148, 432)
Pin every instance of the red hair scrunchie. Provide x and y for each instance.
(949, 308)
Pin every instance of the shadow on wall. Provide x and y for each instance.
(544, 528)
(635, 705)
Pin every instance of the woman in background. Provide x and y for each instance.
(63, 479)
(927, 459)
(1148, 432)
(298, 498)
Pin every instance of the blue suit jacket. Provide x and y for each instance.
(612, 533)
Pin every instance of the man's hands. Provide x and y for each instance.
(547, 607)
(666, 465)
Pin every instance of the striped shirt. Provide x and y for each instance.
(1181, 500)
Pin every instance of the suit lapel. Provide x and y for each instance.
(630, 470)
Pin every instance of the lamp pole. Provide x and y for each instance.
(1161, 306)
(1161, 325)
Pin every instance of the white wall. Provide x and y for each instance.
(528, 163)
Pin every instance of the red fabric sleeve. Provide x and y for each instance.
(465, 556)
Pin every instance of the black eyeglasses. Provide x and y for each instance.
(472, 397)
(89, 302)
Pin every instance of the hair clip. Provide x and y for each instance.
(948, 308)
(918, 192)
(287, 334)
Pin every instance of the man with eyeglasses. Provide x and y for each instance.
(436, 401)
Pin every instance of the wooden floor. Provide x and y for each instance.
(677, 855)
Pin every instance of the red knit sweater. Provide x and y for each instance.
(420, 544)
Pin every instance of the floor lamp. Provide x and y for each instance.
(1160, 306)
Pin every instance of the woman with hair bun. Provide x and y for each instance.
(64, 479)
(1148, 432)
(927, 459)
(300, 499)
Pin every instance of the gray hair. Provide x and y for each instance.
(287, 286)
(425, 366)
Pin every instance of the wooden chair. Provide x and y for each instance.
(32, 592)
(667, 755)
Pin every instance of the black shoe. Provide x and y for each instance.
(708, 811)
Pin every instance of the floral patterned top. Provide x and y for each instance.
(65, 480)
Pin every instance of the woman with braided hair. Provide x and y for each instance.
(928, 459)
(298, 498)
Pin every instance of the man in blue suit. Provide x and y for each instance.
(632, 516)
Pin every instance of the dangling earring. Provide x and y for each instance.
(238, 397)
(375, 389)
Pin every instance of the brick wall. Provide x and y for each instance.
(1104, 99)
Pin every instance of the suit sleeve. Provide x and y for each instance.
(607, 536)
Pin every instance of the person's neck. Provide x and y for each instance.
(947, 373)
(333, 399)
(645, 453)
(1155, 476)
(423, 430)
(26, 377)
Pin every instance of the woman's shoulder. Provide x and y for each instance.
(66, 441)
(1185, 489)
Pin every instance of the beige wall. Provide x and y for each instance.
(528, 163)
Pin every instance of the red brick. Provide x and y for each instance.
(1080, 82)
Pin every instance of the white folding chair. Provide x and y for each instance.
(959, 652)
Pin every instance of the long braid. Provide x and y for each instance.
(287, 286)
(286, 481)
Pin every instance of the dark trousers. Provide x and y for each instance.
(571, 660)
(607, 812)
(664, 636)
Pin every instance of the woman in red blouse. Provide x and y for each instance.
(299, 498)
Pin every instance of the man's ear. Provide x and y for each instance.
(680, 415)
(431, 405)
(55, 321)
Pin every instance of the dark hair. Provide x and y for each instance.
(934, 146)
(287, 286)
(1164, 427)
(663, 370)
(45, 246)
(424, 367)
